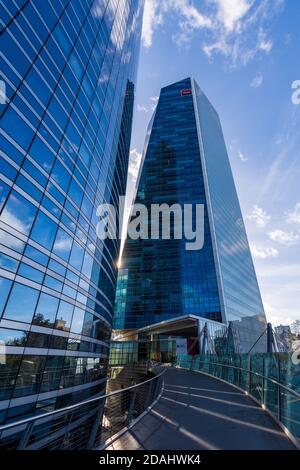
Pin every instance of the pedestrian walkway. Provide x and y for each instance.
(200, 412)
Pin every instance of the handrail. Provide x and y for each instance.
(288, 389)
(270, 398)
(77, 405)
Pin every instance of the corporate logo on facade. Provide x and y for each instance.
(157, 222)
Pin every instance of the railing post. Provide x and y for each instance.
(149, 395)
(239, 372)
(156, 388)
(263, 383)
(97, 421)
(250, 374)
(66, 431)
(132, 401)
(279, 392)
(25, 436)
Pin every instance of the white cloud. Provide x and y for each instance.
(284, 238)
(260, 216)
(13, 221)
(64, 244)
(257, 81)
(142, 109)
(280, 288)
(154, 101)
(230, 12)
(242, 157)
(264, 252)
(134, 163)
(153, 18)
(264, 44)
(190, 19)
(237, 29)
(293, 216)
(152, 106)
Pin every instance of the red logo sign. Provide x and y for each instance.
(186, 92)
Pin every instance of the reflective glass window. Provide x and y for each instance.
(58, 342)
(44, 231)
(38, 340)
(63, 244)
(29, 376)
(46, 309)
(21, 303)
(64, 316)
(61, 175)
(4, 190)
(42, 154)
(36, 255)
(18, 213)
(68, 374)
(77, 321)
(8, 263)
(30, 273)
(52, 373)
(12, 337)
(8, 170)
(76, 257)
(16, 127)
(87, 324)
(8, 372)
(11, 242)
(5, 285)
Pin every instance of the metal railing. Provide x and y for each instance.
(261, 377)
(87, 425)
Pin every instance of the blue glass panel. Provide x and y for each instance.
(9, 263)
(12, 337)
(46, 309)
(18, 213)
(77, 321)
(21, 303)
(64, 316)
(5, 285)
(30, 273)
(63, 244)
(44, 231)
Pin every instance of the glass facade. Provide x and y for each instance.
(69, 68)
(186, 162)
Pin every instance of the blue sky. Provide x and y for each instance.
(245, 56)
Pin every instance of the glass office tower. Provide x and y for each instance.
(69, 70)
(186, 162)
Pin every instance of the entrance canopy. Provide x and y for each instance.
(186, 326)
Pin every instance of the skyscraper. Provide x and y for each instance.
(186, 162)
(69, 71)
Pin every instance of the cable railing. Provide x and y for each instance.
(91, 424)
(273, 383)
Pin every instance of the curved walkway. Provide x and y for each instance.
(197, 412)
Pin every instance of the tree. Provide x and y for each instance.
(295, 327)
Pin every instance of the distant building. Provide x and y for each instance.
(284, 338)
(186, 162)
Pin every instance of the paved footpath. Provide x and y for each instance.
(197, 412)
